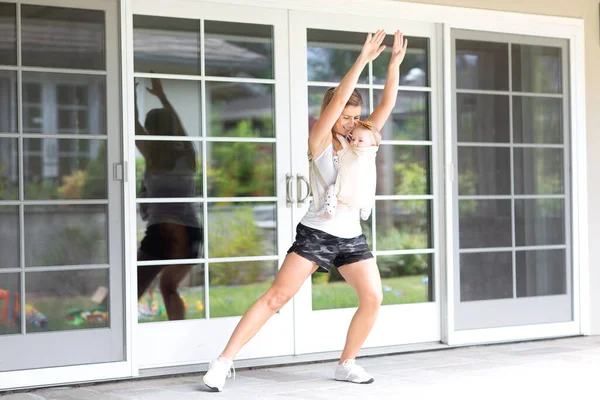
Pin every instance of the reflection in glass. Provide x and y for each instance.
(8, 104)
(64, 103)
(537, 120)
(9, 237)
(162, 302)
(481, 65)
(238, 50)
(8, 27)
(484, 223)
(60, 37)
(169, 231)
(539, 171)
(486, 276)
(410, 116)
(315, 98)
(67, 300)
(173, 169)
(68, 169)
(10, 304)
(234, 286)
(415, 67)
(541, 273)
(175, 109)
(482, 118)
(406, 278)
(9, 169)
(242, 229)
(539, 222)
(403, 224)
(240, 110)
(330, 54)
(483, 170)
(536, 69)
(166, 45)
(403, 170)
(241, 169)
(66, 235)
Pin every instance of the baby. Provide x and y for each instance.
(357, 172)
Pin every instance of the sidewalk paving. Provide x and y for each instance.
(552, 369)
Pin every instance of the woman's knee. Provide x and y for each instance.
(371, 299)
(276, 298)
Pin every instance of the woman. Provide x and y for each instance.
(320, 242)
(173, 230)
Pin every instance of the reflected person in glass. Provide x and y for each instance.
(321, 242)
(173, 230)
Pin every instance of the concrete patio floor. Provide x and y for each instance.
(553, 369)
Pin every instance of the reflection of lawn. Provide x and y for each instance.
(235, 300)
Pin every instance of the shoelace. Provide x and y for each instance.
(232, 368)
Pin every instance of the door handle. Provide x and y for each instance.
(299, 179)
(288, 190)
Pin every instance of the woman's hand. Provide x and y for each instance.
(156, 89)
(398, 50)
(372, 47)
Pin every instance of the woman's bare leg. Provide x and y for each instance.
(294, 271)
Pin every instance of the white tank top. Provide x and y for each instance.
(346, 221)
(357, 175)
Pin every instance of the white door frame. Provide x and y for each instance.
(199, 341)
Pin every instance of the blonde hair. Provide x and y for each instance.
(354, 100)
(374, 131)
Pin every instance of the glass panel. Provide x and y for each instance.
(10, 304)
(62, 37)
(64, 103)
(8, 102)
(403, 224)
(169, 231)
(168, 169)
(537, 120)
(539, 171)
(331, 54)
(179, 112)
(242, 229)
(536, 69)
(410, 116)
(67, 300)
(415, 67)
(481, 65)
(66, 235)
(8, 27)
(483, 170)
(9, 237)
(539, 222)
(9, 169)
(234, 286)
(186, 297)
(485, 223)
(403, 170)
(166, 45)
(486, 276)
(315, 98)
(241, 169)
(406, 278)
(240, 50)
(483, 118)
(240, 110)
(69, 169)
(541, 273)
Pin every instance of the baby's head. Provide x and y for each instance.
(364, 135)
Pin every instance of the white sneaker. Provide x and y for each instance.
(350, 372)
(218, 372)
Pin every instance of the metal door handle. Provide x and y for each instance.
(288, 190)
(299, 179)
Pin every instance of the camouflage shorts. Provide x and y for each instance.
(324, 249)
